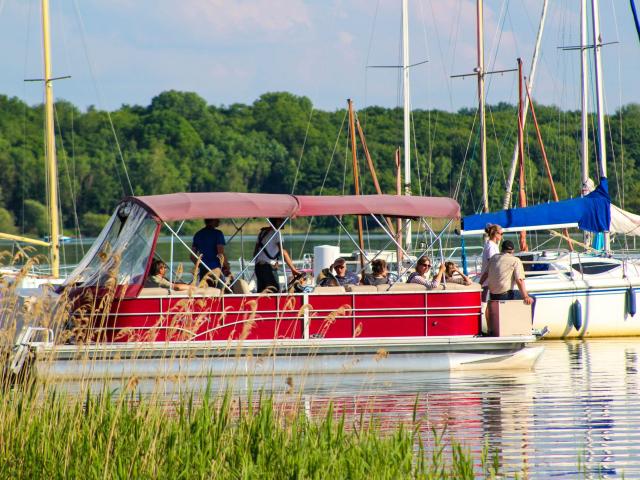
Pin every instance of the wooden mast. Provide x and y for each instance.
(356, 180)
(51, 144)
(521, 192)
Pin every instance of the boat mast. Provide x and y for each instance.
(51, 144)
(602, 148)
(483, 126)
(584, 74)
(407, 113)
(529, 86)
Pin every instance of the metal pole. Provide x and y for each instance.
(407, 113)
(483, 126)
(602, 147)
(584, 76)
(51, 144)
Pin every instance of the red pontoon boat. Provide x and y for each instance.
(116, 327)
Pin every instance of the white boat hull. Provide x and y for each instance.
(282, 357)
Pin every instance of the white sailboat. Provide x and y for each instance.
(577, 294)
(30, 280)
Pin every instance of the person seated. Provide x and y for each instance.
(450, 271)
(156, 278)
(341, 277)
(379, 274)
(421, 275)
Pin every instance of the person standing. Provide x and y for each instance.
(267, 255)
(503, 273)
(208, 246)
(491, 248)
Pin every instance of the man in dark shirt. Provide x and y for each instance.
(208, 244)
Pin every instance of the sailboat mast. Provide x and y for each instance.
(483, 126)
(597, 40)
(407, 112)
(51, 144)
(602, 147)
(584, 73)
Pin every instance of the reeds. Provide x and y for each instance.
(104, 436)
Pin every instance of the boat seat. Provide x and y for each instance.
(329, 290)
(153, 292)
(197, 292)
(361, 288)
(458, 286)
(402, 287)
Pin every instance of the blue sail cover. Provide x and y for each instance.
(591, 212)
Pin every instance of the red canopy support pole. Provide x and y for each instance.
(547, 168)
(356, 179)
(522, 196)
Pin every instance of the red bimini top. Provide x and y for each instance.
(187, 206)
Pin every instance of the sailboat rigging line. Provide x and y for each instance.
(635, 17)
(324, 180)
(456, 192)
(100, 96)
(398, 66)
(304, 143)
(72, 190)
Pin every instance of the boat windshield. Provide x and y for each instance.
(121, 251)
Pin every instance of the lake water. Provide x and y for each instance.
(576, 415)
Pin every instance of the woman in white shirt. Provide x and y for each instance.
(494, 234)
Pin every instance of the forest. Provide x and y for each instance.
(281, 143)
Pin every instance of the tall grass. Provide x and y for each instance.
(55, 435)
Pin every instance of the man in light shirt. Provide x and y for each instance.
(503, 273)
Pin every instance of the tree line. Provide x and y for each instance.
(281, 143)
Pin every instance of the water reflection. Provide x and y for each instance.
(575, 415)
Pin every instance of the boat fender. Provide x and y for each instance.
(576, 310)
(631, 301)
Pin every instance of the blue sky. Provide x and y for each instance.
(128, 51)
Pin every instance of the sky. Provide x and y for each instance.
(228, 51)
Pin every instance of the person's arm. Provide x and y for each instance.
(289, 262)
(523, 290)
(438, 278)
(198, 256)
(484, 276)
(467, 280)
(519, 274)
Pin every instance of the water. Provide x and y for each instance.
(575, 415)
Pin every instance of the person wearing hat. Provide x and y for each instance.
(503, 273)
(339, 276)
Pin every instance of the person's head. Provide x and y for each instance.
(211, 222)
(423, 265)
(379, 266)
(158, 267)
(450, 268)
(339, 266)
(507, 247)
(494, 232)
(276, 222)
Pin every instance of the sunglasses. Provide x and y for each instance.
(424, 264)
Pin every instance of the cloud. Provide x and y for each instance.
(223, 18)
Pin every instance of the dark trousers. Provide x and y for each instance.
(510, 295)
(267, 276)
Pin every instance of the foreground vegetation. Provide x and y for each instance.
(56, 436)
(280, 143)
